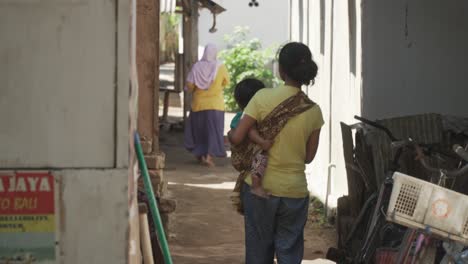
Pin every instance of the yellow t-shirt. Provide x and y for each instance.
(285, 176)
(213, 97)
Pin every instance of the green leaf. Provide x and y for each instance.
(245, 58)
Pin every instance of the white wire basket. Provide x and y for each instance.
(419, 204)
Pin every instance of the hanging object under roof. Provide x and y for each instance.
(214, 8)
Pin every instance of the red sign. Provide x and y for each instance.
(27, 193)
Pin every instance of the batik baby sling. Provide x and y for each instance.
(268, 128)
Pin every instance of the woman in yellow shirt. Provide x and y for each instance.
(275, 226)
(204, 130)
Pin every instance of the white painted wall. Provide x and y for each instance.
(415, 57)
(380, 59)
(58, 83)
(325, 27)
(267, 22)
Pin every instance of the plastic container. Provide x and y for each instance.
(419, 204)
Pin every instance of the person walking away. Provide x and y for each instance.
(275, 226)
(204, 130)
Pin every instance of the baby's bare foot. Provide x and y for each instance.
(259, 191)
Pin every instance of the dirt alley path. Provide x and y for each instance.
(205, 229)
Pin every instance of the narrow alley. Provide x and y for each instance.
(360, 105)
(205, 228)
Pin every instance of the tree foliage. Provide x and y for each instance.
(245, 58)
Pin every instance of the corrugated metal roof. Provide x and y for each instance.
(168, 6)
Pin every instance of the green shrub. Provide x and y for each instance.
(245, 58)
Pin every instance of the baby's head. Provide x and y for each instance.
(245, 90)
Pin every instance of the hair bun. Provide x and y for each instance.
(305, 72)
(296, 61)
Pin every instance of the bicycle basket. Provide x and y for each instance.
(419, 204)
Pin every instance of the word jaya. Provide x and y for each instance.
(20, 184)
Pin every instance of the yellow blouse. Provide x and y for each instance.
(213, 97)
(285, 176)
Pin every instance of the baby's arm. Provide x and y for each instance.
(255, 137)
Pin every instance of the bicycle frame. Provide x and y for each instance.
(376, 221)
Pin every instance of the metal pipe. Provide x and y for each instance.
(152, 201)
(327, 193)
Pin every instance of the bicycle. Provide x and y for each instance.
(375, 206)
(377, 226)
(454, 250)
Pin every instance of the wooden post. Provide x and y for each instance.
(166, 106)
(157, 86)
(148, 71)
(190, 34)
(179, 73)
(145, 235)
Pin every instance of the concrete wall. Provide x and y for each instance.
(267, 22)
(64, 106)
(58, 75)
(93, 210)
(380, 59)
(331, 30)
(415, 57)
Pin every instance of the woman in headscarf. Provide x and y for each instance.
(204, 131)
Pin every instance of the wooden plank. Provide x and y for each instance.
(364, 160)
(157, 85)
(165, 106)
(179, 73)
(145, 235)
(356, 186)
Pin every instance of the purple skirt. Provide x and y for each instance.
(204, 133)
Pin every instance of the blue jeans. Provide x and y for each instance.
(274, 226)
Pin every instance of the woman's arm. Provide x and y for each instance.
(312, 146)
(236, 136)
(190, 86)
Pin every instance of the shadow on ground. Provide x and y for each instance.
(205, 228)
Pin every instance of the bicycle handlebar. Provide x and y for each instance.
(398, 145)
(376, 125)
(421, 157)
(453, 173)
(461, 152)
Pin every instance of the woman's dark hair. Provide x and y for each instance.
(295, 60)
(245, 90)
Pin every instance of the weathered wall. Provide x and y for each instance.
(148, 71)
(93, 210)
(64, 106)
(415, 57)
(57, 75)
(380, 59)
(331, 30)
(267, 22)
